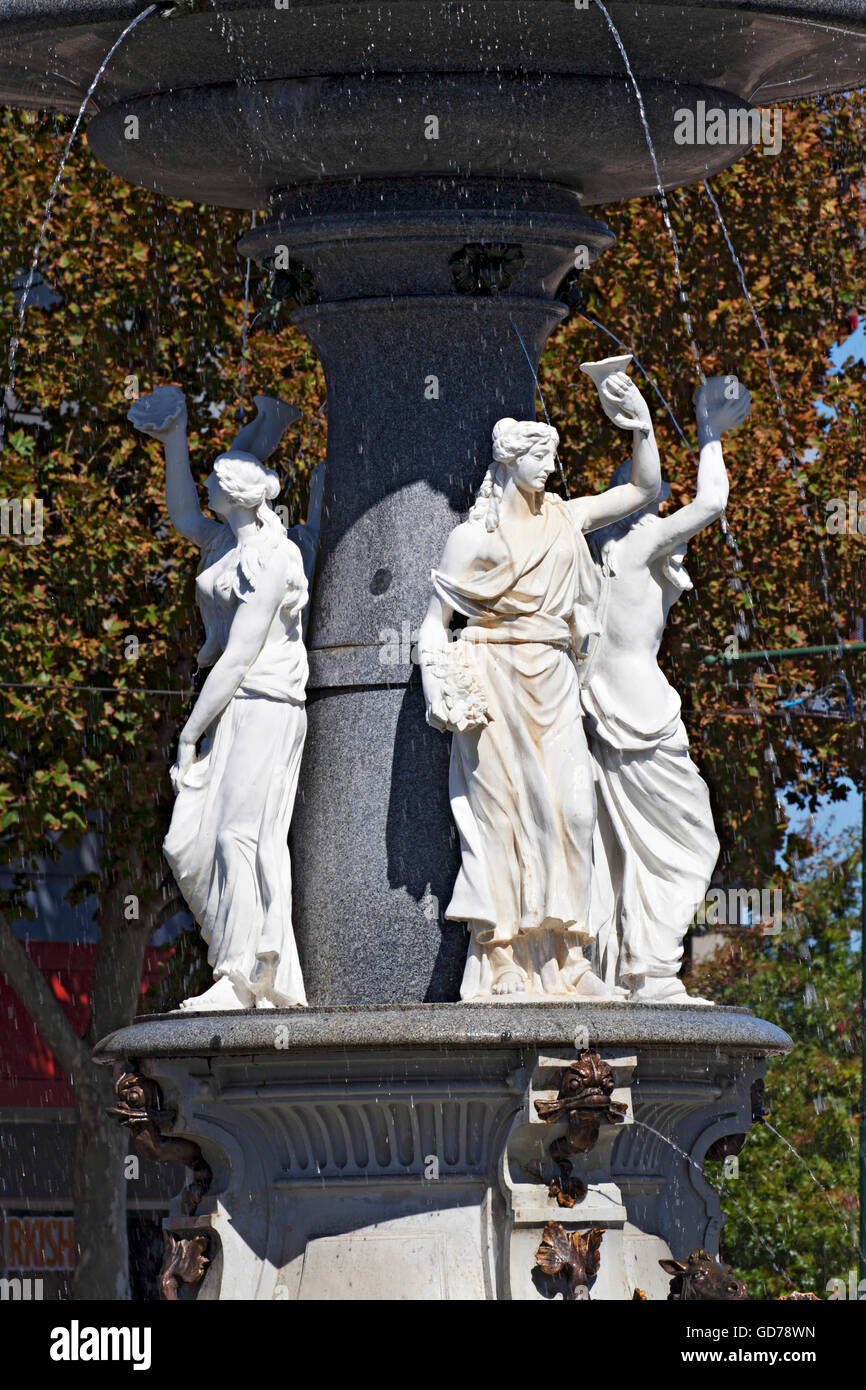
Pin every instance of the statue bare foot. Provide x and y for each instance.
(510, 982)
(589, 986)
(581, 983)
(223, 995)
(508, 977)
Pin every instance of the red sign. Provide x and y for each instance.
(39, 1242)
(29, 1075)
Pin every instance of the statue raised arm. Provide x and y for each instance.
(240, 751)
(655, 847)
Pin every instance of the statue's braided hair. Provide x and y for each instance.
(511, 440)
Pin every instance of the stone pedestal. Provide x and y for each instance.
(397, 1153)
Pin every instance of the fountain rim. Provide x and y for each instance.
(38, 14)
(447, 1027)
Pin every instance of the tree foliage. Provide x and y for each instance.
(152, 293)
(782, 1229)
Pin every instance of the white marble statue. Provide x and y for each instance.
(520, 572)
(654, 846)
(240, 752)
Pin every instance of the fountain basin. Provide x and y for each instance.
(396, 1153)
(449, 1027)
(240, 96)
(234, 145)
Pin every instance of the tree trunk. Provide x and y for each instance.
(99, 1186)
(101, 1143)
(99, 1191)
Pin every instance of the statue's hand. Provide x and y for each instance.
(185, 760)
(623, 403)
(437, 715)
(160, 413)
(721, 403)
(454, 695)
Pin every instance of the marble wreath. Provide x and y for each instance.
(239, 753)
(586, 834)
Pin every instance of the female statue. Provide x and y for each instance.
(240, 752)
(519, 571)
(655, 846)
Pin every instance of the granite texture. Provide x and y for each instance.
(232, 145)
(375, 852)
(450, 1027)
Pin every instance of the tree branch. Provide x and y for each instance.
(159, 915)
(35, 994)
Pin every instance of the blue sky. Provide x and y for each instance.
(834, 817)
(852, 346)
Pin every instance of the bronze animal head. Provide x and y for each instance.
(138, 1101)
(576, 1254)
(588, 1079)
(703, 1279)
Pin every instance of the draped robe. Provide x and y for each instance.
(654, 847)
(521, 785)
(227, 845)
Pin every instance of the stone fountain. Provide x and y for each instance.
(427, 170)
